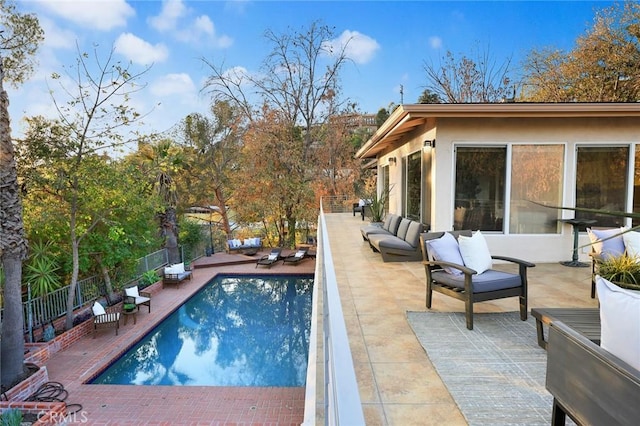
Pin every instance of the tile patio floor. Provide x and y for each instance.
(397, 383)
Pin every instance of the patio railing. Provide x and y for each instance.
(342, 403)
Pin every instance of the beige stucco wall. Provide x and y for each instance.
(457, 131)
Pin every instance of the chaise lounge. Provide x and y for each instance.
(295, 258)
(269, 259)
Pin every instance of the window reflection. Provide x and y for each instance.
(480, 188)
(536, 175)
(413, 186)
(601, 182)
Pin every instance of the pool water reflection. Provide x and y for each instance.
(236, 331)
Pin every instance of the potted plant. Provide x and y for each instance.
(129, 307)
(376, 208)
(623, 271)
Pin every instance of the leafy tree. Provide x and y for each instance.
(603, 67)
(382, 116)
(466, 80)
(96, 117)
(21, 34)
(271, 192)
(299, 80)
(215, 146)
(428, 97)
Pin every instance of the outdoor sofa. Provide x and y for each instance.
(175, 274)
(389, 227)
(401, 246)
(249, 244)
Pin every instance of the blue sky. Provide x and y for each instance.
(390, 42)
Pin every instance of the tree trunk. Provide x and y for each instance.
(170, 233)
(68, 321)
(13, 250)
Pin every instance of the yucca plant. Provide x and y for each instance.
(41, 270)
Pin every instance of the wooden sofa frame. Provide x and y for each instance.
(589, 384)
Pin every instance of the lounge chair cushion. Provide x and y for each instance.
(300, 253)
(446, 249)
(98, 309)
(413, 234)
(177, 268)
(490, 280)
(402, 228)
(475, 252)
(272, 256)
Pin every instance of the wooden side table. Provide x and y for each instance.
(127, 314)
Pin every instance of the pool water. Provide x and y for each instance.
(235, 331)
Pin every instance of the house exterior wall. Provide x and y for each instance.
(452, 132)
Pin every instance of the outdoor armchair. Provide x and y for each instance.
(465, 271)
(104, 319)
(133, 295)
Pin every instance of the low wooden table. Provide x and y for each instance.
(133, 313)
(585, 321)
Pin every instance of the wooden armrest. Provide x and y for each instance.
(440, 263)
(145, 294)
(514, 260)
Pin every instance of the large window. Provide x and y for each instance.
(413, 186)
(536, 177)
(601, 182)
(480, 188)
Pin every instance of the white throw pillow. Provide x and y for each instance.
(273, 256)
(98, 309)
(475, 252)
(607, 242)
(170, 270)
(619, 321)
(446, 249)
(132, 291)
(299, 253)
(632, 244)
(178, 268)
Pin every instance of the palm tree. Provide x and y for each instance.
(18, 43)
(163, 159)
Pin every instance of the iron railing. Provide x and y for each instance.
(39, 311)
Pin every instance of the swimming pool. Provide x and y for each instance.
(235, 331)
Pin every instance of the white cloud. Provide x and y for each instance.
(139, 51)
(358, 47)
(175, 18)
(56, 37)
(203, 28)
(435, 42)
(173, 84)
(100, 15)
(172, 10)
